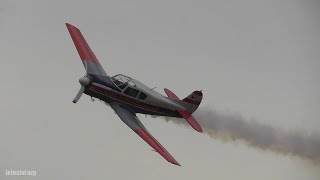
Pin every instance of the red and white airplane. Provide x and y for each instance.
(128, 96)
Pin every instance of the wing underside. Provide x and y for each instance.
(131, 120)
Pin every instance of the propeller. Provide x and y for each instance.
(84, 81)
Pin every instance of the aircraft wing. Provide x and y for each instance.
(131, 120)
(87, 56)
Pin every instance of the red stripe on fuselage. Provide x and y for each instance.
(128, 100)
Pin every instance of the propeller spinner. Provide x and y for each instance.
(84, 81)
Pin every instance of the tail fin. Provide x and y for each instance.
(191, 102)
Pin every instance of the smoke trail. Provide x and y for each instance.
(231, 127)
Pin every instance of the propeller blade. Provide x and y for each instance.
(81, 90)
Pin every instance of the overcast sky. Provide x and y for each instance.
(256, 58)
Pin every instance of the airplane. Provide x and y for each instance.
(128, 96)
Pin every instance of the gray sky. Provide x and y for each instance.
(256, 58)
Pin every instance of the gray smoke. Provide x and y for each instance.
(232, 127)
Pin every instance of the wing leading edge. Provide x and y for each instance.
(87, 56)
(131, 120)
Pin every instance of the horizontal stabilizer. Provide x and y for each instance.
(170, 94)
(186, 115)
(191, 120)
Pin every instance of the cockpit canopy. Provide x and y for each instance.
(122, 81)
(128, 87)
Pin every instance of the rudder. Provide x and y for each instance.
(193, 101)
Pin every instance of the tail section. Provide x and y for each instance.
(191, 120)
(190, 103)
(193, 101)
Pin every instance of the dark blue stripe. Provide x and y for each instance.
(105, 81)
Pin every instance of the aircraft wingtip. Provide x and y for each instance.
(176, 163)
(70, 26)
(200, 130)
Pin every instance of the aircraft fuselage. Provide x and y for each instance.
(153, 104)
